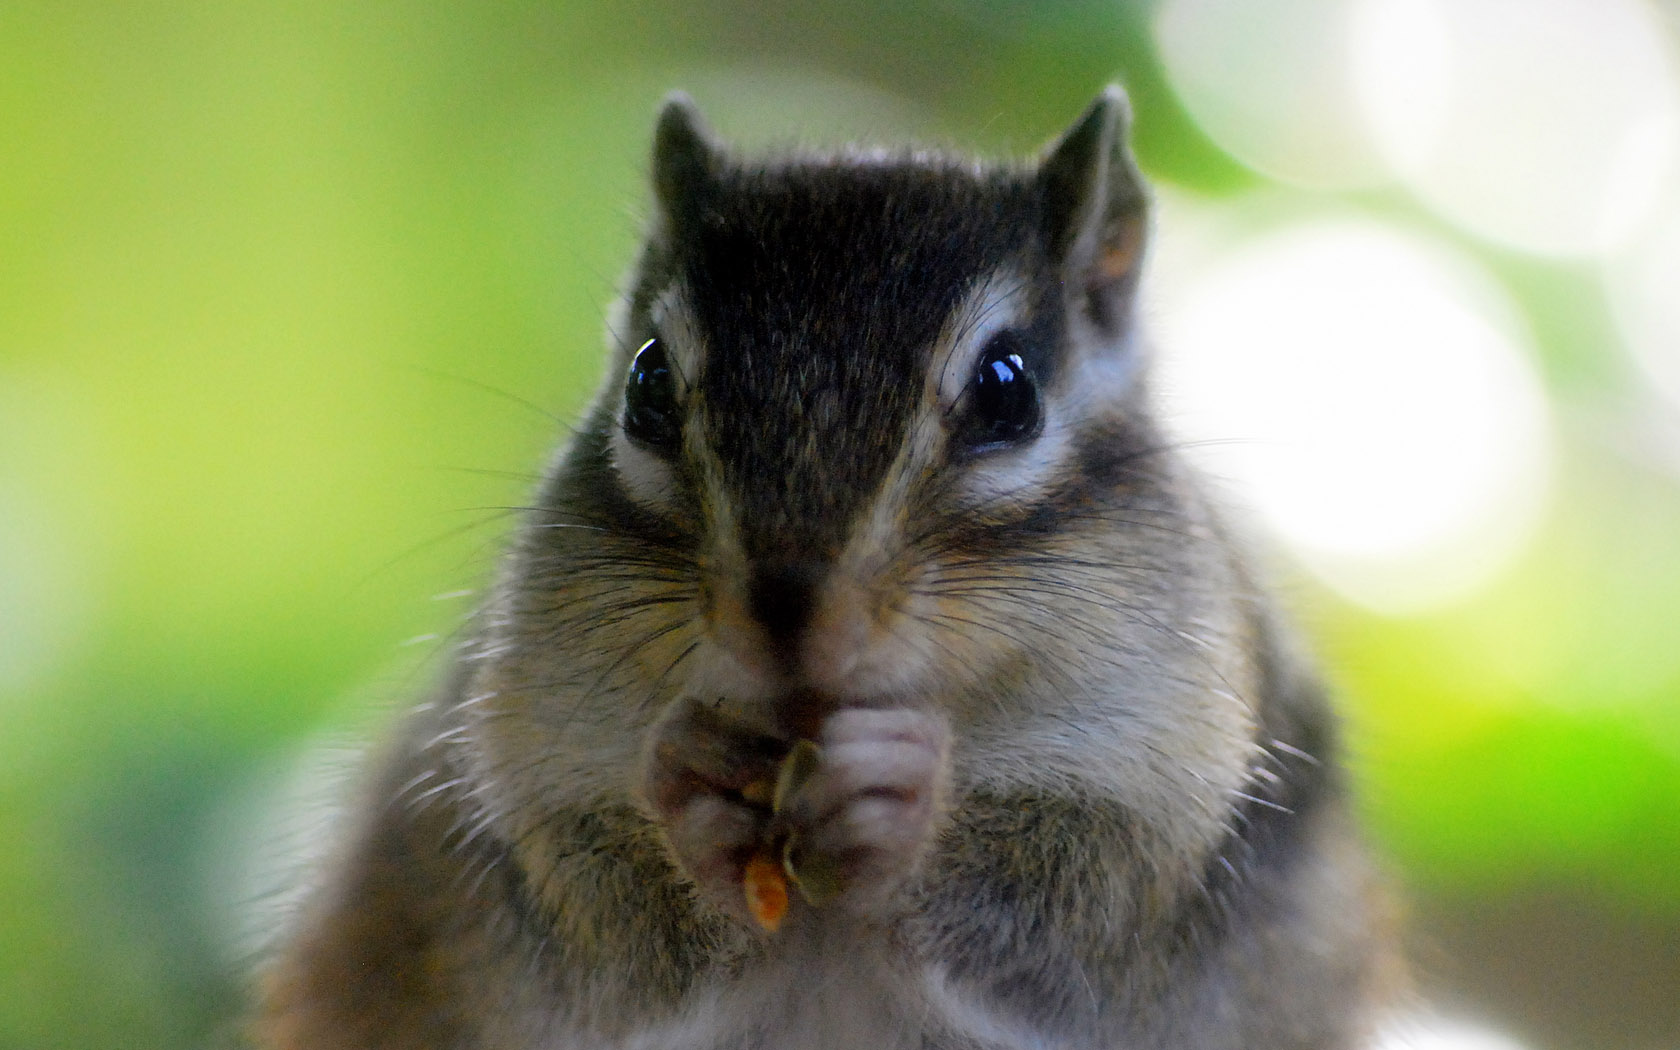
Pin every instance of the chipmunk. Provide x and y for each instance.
(873, 477)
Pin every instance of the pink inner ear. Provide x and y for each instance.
(1120, 250)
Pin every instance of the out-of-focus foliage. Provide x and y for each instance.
(293, 300)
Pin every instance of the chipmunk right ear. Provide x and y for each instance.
(1096, 207)
(684, 158)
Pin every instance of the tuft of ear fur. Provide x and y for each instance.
(684, 157)
(1096, 209)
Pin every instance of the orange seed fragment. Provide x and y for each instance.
(767, 890)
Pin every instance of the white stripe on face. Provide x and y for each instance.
(995, 305)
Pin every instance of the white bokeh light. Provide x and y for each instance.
(1427, 1032)
(1369, 393)
(1271, 84)
(1546, 125)
(1644, 286)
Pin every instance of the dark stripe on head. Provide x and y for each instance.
(819, 290)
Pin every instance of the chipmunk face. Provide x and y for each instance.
(874, 436)
(846, 380)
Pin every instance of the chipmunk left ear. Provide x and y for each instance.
(1096, 210)
(684, 160)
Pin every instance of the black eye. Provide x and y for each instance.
(1003, 403)
(651, 414)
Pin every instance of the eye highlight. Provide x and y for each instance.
(1002, 399)
(652, 416)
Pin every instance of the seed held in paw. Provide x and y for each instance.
(767, 890)
(765, 878)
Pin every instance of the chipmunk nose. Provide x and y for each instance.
(792, 624)
(781, 597)
(816, 621)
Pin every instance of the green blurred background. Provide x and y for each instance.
(292, 298)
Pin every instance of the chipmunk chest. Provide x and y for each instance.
(852, 1001)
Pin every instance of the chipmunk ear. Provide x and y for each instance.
(684, 159)
(1096, 209)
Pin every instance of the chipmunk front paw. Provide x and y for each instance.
(706, 779)
(858, 824)
(848, 815)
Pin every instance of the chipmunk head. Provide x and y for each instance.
(842, 376)
(875, 434)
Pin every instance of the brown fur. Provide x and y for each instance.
(1076, 788)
